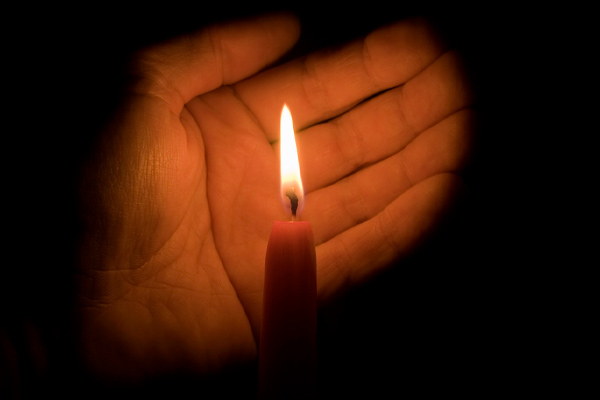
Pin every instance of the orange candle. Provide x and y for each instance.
(287, 350)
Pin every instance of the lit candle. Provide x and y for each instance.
(287, 352)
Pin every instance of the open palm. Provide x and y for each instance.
(179, 200)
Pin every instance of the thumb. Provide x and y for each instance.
(188, 66)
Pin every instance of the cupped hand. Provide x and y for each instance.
(179, 198)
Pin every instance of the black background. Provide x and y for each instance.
(460, 316)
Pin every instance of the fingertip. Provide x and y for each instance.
(290, 21)
(399, 51)
(285, 27)
(417, 31)
(254, 42)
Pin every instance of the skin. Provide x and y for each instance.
(179, 198)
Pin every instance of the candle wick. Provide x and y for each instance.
(291, 194)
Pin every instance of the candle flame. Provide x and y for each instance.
(291, 191)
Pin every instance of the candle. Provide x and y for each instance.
(287, 349)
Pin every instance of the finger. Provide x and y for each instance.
(324, 84)
(360, 252)
(222, 54)
(383, 125)
(444, 147)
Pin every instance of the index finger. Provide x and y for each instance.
(188, 66)
(324, 84)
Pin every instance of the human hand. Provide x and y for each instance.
(179, 200)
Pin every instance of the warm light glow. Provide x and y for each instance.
(290, 168)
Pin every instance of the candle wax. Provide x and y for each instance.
(287, 351)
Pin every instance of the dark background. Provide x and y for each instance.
(460, 316)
